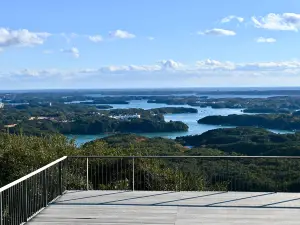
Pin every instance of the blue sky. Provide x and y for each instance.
(149, 43)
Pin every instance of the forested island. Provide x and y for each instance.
(277, 104)
(37, 119)
(266, 110)
(98, 125)
(271, 121)
(246, 141)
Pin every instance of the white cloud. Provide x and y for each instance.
(170, 65)
(232, 17)
(150, 38)
(218, 32)
(74, 51)
(265, 40)
(36, 73)
(122, 34)
(160, 66)
(96, 38)
(209, 64)
(21, 38)
(131, 68)
(272, 21)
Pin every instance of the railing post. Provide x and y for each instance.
(179, 180)
(45, 192)
(1, 209)
(25, 208)
(60, 177)
(87, 173)
(133, 174)
(276, 179)
(66, 169)
(176, 174)
(227, 175)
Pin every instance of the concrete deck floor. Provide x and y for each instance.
(180, 208)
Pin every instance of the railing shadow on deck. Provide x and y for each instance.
(197, 200)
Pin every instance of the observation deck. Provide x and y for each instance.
(156, 190)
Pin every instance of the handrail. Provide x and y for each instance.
(31, 174)
(187, 156)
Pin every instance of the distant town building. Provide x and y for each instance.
(1, 105)
(43, 118)
(126, 117)
(10, 125)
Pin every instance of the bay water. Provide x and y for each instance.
(189, 118)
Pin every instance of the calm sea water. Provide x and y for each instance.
(189, 118)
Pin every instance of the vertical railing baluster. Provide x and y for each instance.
(133, 174)
(121, 174)
(176, 174)
(276, 177)
(227, 175)
(179, 178)
(25, 207)
(87, 173)
(45, 194)
(140, 186)
(1, 208)
(117, 179)
(60, 178)
(14, 200)
(65, 170)
(98, 175)
(102, 176)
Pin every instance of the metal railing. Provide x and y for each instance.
(185, 173)
(24, 198)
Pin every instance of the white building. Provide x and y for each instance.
(126, 117)
(1, 105)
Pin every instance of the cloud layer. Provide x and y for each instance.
(171, 65)
(165, 73)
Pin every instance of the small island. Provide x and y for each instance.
(270, 121)
(173, 110)
(266, 110)
(103, 106)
